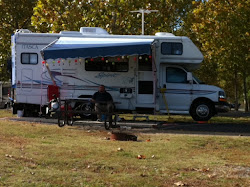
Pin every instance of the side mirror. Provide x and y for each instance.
(189, 77)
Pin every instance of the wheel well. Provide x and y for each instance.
(29, 109)
(204, 99)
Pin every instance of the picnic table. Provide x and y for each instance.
(67, 115)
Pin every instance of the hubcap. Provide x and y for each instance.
(86, 108)
(202, 110)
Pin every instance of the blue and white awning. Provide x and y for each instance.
(72, 47)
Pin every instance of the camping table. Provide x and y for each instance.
(66, 113)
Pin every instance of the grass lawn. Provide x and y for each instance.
(6, 113)
(35, 154)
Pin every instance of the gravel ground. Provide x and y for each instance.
(235, 114)
(230, 129)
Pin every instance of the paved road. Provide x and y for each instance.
(159, 127)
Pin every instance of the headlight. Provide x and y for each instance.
(222, 96)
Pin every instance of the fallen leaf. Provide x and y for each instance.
(10, 156)
(141, 157)
(211, 176)
(205, 169)
(180, 183)
(119, 149)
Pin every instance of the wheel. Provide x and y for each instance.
(114, 121)
(85, 107)
(202, 111)
(60, 122)
(106, 125)
(110, 124)
(70, 121)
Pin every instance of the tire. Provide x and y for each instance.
(110, 124)
(202, 110)
(85, 107)
(114, 122)
(107, 125)
(70, 121)
(60, 121)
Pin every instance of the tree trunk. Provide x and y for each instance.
(114, 18)
(245, 92)
(236, 107)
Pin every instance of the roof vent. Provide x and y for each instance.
(70, 32)
(23, 31)
(164, 34)
(93, 31)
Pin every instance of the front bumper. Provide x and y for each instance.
(222, 107)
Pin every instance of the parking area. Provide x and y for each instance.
(176, 127)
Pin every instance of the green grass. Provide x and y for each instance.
(6, 113)
(35, 154)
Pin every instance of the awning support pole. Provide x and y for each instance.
(50, 74)
(154, 76)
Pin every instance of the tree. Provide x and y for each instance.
(221, 28)
(13, 15)
(112, 15)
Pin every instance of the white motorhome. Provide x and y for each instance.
(138, 71)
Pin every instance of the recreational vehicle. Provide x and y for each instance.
(140, 72)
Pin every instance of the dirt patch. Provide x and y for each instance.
(231, 171)
(14, 140)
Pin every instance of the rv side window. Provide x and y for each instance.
(110, 64)
(29, 58)
(176, 75)
(170, 48)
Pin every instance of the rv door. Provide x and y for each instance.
(145, 90)
(178, 89)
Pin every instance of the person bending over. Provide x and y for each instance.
(103, 102)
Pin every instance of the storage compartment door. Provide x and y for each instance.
(27, 79)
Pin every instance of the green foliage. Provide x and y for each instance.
(222, 29)
(112, 15)
(13, 15)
